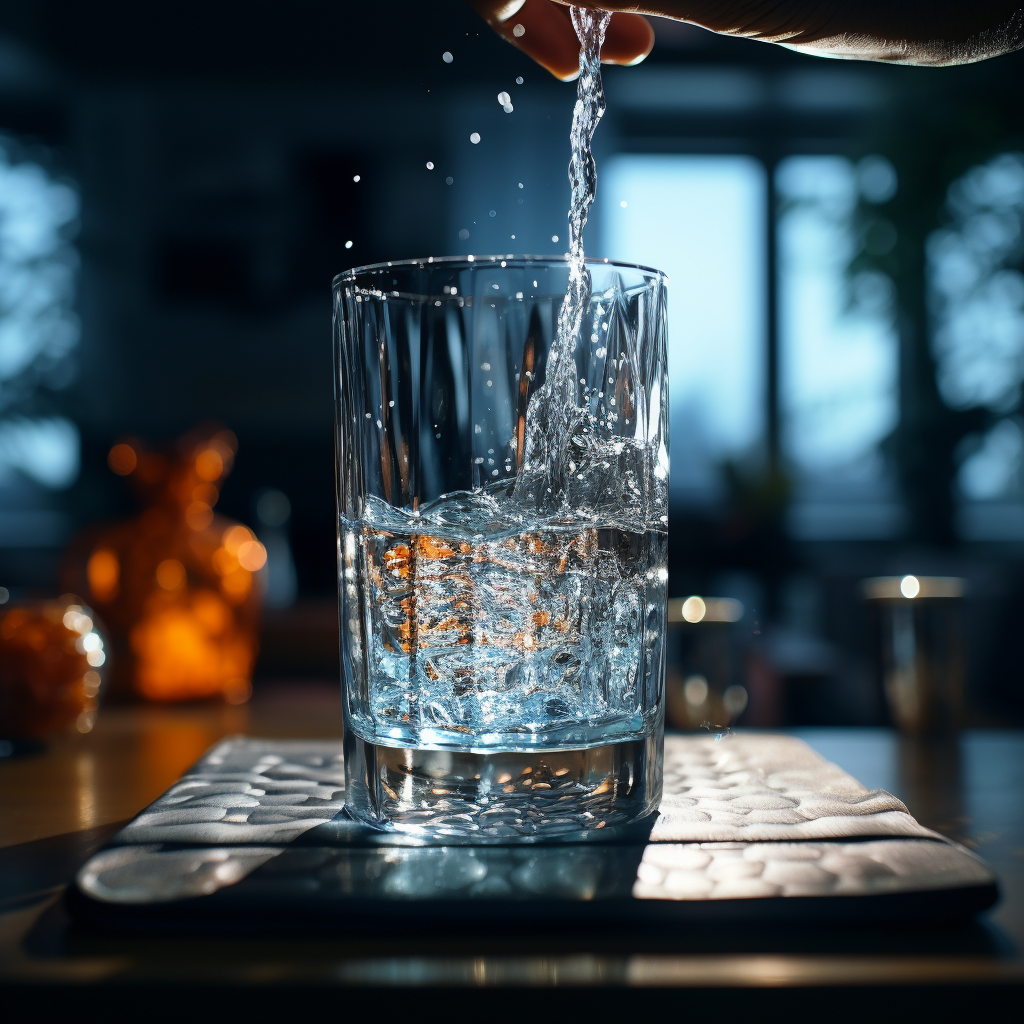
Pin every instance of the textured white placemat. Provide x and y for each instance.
(744, 787)
(752, 788)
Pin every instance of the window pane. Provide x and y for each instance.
(838, 362)
(701, 220)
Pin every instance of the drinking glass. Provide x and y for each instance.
(502, 586)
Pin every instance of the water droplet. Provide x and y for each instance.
(464, 234)
(519, 80)
(508, 108)
(554, 238)
(447, 57)
(474, 138)
(492, 213)
(504, 98)
(430, 165)
(449, 180)
(520, 184)
(519, 31)
(513, 239)
(348, 244)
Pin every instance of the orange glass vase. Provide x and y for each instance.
(178, 586)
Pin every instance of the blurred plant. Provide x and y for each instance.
(175, 584)
(978, 304)
(939, 227)
(38, 327)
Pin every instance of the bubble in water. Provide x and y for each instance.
(474, 138)
(447, 57)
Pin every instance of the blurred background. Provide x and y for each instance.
(180, 183)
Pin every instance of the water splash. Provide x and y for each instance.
(554, 414)
(722, 732)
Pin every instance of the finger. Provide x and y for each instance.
(628, 40)
(906, 32)
(544, 31)
(539, 28)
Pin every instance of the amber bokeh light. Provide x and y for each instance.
(176, 584)
(50, 659)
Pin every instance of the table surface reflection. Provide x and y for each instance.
(58, 806)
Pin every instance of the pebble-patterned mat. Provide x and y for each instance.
(747, 816)
(742, 788)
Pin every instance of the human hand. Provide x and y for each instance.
(926, 32)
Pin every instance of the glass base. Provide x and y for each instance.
(504, 796)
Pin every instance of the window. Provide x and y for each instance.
(838, 358)
(38, 327)
(700, 219)
(978, 300)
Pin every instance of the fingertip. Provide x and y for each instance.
(629, 39)
(543, 31)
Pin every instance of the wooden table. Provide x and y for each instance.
(58, 806)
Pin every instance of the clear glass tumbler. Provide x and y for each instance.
(502, 561)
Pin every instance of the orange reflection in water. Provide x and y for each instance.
(176, 583)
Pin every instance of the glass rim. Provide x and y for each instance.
(468, 262)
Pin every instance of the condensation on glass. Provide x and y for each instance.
(502, 621)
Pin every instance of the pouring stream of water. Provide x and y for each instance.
(554, 410)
